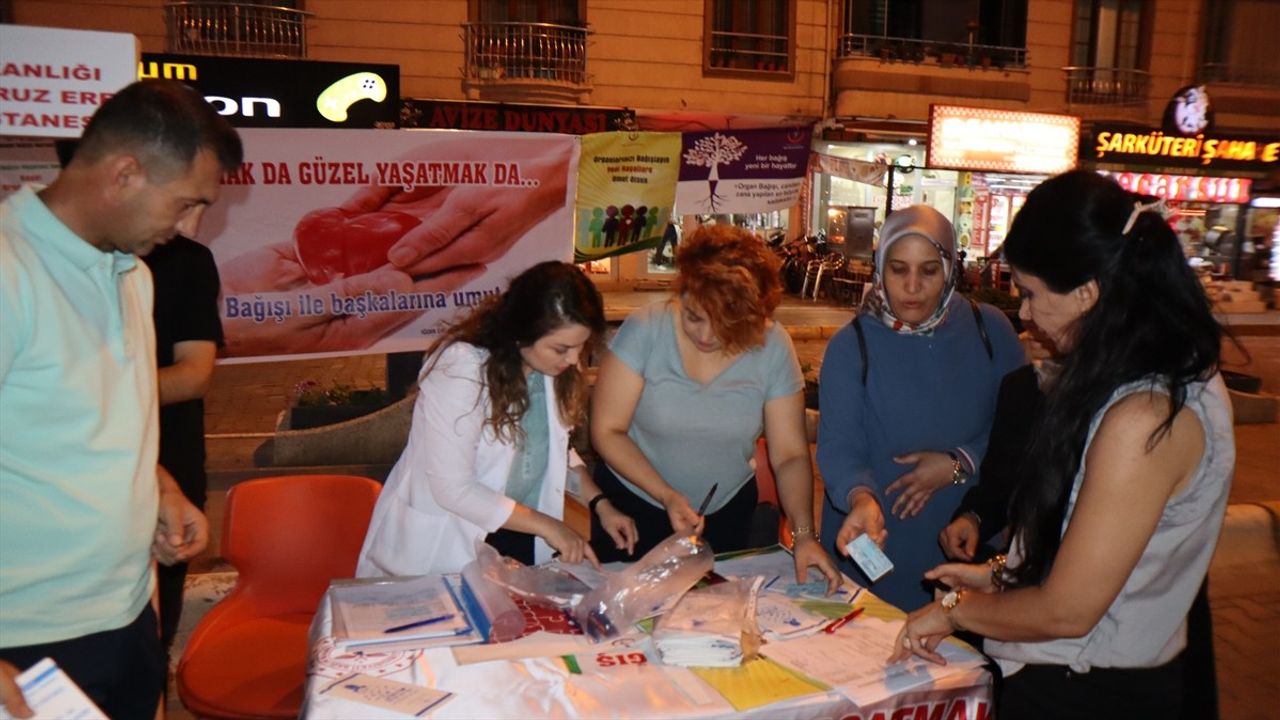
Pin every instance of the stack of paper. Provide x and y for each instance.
(400, 612)
(781, 618)
(711, 627)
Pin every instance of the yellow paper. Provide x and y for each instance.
(758, 682)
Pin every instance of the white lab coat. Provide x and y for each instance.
(446, 490)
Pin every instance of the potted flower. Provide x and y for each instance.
(316, 405)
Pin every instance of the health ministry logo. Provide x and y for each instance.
(334, 101)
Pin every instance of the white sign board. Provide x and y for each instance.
(52, 80)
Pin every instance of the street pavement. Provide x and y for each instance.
(245, 400)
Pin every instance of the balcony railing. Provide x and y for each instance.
(1106, 86)
(502, 51)
(236, 29)
(896, 49)
(750, 51)
(1240, 74)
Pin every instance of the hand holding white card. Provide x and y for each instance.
(869, 557)
(53, 695)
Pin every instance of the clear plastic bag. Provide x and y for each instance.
(653, 582)
(714, 626)
(505, 621)
(542, 584)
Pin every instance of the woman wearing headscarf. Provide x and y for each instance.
(907, 392)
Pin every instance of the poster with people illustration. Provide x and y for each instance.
(738, 171)
(368, 241)
(626, 190)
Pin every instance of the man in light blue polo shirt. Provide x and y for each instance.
(84, 507)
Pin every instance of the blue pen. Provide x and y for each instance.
(420, 623)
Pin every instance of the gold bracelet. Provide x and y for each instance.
(997, 564)
(804, 530)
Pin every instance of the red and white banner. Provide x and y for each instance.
(336, 242)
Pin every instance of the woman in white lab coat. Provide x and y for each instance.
(488, 452)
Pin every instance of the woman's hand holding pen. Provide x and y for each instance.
(682, 515)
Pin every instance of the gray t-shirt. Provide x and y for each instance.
(695, 434)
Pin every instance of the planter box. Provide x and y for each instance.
(303, 417)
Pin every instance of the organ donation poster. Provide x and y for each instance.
(369, 241)
(626, 190)
(741, 171)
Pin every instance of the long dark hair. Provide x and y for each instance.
(1151, 320)
(540, 300)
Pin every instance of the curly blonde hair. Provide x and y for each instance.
(732, 276)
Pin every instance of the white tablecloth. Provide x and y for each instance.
(546, 688)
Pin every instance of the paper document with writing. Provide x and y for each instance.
(53, 695)
(400, 697)
(853, 660)
(397, 611)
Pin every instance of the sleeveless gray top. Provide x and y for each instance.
(1146, 623)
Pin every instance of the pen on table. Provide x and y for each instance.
(420, 623)
(834, 626)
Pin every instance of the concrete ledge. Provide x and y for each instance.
(1250, 408)
(374, 439)
(1250, 536)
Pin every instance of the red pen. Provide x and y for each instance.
(841, 622)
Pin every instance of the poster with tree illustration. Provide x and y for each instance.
(740, 171)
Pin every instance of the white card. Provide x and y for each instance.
(869, 557)
(401, 697)
(53, 695)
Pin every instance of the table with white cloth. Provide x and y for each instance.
(625, 677)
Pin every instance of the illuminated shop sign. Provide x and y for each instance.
(513, 117)
(256, 92)
(1142, 146)
(967, 138)
(1192, 188)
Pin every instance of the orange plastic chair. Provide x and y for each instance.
(288, 537)
(767, 489)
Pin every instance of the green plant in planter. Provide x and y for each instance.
(312, 394)
(316, 405)
(810, 386)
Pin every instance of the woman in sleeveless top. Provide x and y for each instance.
(1118, 507)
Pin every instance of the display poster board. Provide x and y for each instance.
(52, 80)
(626, 190)
(742, 171)
(333, 242)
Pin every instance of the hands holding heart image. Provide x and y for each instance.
(427, 239)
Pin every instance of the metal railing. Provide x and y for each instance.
(1239, 74)
(1106, 86)
(896, 49)
(236, 29)
(499, 51)
(750, 51)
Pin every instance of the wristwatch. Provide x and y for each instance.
(949, 603)
(959, 475)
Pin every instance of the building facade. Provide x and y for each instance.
(864, 72)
